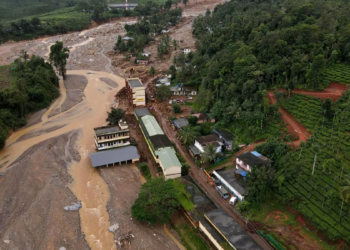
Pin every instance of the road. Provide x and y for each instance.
(201, 180)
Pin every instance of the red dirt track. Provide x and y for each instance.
(333, 91)
(293, 126)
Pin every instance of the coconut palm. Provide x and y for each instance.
(188, 134)
(209, 153)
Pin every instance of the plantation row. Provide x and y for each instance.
(339, 73)
(306, 109)
(316, 187)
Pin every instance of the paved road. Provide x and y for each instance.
(201, 180)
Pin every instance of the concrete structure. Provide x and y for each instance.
(112, 157)
(202, 117)
(232, 232)
(169, 162)
(236, 186)
(147, 54)
(112, 136)
(181, 90)
(248, 160)
(122, 6)
(180, 123)
(225, 135)
(135, 91)
(202, 142)
(141, 112)
(186, 50)
(142, 61)
(160, 146)
(194, 151)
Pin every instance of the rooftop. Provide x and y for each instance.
(168, 158)
(229, 176)
(160, 141)
(231, 230)
(103, 158)
(225, 134)
(107, 130)
(253, 158)
(134, 82)
(140, 112)
(151, 125)
(201, 116)
(207, 139)
(179, 123)
(194, 150)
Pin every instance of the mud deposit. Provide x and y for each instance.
(31, 211)
(124, 183)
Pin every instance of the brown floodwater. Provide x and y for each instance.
(88, 186)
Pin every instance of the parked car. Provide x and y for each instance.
(223, 192)
(233, 200)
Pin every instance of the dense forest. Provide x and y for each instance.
(245, 48)
(32, 86)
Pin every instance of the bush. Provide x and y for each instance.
(243, 206)
(145, 170)
(176, 108)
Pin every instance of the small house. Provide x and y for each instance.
(180, 123)
(142, 61)
(146, 54)
(233, 182)
(226, 136)
(186, 50)
(202, 142)
(165, 31)
(182, 90)
(203, 117)
(248, 160)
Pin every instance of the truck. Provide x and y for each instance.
(223, 192)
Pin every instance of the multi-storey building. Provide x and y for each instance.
(135, 91)
(112, 136)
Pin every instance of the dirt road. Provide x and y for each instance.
(201, 179)
(293, 126)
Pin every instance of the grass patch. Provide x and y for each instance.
(145, 170)
(191, 238)
(185, 202)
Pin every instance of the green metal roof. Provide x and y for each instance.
(168, 158)
(152, 125)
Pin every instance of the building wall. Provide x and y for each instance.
(172, 173)
(241, 164)
(229, 187)
(199, 146)
(208, 234)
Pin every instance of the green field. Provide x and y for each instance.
(317, 195)
(339, 73)
(306, 109)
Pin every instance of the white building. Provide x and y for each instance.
(186, 50)
(135, 92)
(202, 142)
(248, 160)
(112, 136)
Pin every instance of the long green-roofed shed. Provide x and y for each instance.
(151, 125)
(168, 158)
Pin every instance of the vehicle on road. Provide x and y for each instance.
(223, 192)
(233, 200)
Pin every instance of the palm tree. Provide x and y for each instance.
(187, 135)
(209, 153)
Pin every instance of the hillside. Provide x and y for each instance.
(245, 49)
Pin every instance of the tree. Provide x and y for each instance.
(188, 134)
(184, 2)
(152, 71)
(168, 4)
(192, 120)
(59, 56)
(99, 7)
(175, 44)
(327, 108)
(262, 182)
(158, 200)
(163, 93)
(176, 108)
(115, 116)
(209, 153)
